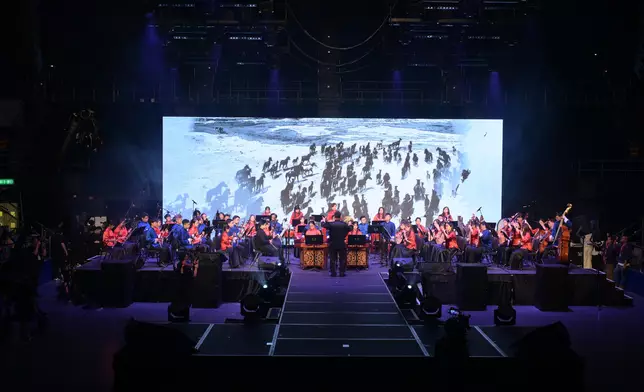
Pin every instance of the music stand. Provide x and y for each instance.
(288, 242)
(295, 222)
(208, 231)
(316, 218)
(313, 239)
(414, 228)
(301, 229)
(384, 240)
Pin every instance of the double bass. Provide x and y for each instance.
(564, 241)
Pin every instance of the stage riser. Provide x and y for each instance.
(160, 286)
(583, 289)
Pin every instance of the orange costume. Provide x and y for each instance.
(526, 241)
(226, 241)
(474, 237)
(450, 240)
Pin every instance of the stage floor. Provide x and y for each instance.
(242, 340)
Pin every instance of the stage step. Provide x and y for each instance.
(343, 316)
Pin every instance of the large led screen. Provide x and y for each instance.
(411, 167)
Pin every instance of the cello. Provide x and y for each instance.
(564, 240)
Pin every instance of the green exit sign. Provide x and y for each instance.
(6, 181)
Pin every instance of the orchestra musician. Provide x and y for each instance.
(196, 237)
(250, 227)
(450, 236)
(333, 207)
(121, 232)
(355, 230)
(312, 229)
(421, 234)
(338, 231)
(263, 242)
(144, 222)
(559, 219)
(229, 245)
(623, 262)
(182, 237)
(175, 231)
(154, 239)
(363, 225)
(525, 247)
(505, 234)
(204, 218)
(377, 219)
(474, 250)
(485, 237)
(609, 256)
(447, 215)
(275, 225)
(434, 247)
(405, 241)
(236, 229)
(296, 216)
(109, 236)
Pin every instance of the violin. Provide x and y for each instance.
(401, 237)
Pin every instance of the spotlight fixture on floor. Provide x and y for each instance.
(251, 307)
(406, 295)
(397, 278)
(431, 308)
(505, 314)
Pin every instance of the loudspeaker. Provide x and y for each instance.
(118, 278)
(207, 285)
(267, 262)
(551, 293)
(471, 286)
(407, 263)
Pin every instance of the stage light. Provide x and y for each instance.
(265, 286)
(251, 306)
(406, 296)
(505, 314)
(431, 308)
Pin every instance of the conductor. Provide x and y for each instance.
(338, 231)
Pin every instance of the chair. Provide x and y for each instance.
(489, 255)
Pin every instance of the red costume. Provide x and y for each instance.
(296, 216)
(411, 240)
